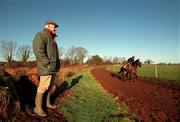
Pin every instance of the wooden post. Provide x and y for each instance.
(156, 74)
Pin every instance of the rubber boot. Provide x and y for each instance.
(48, 103)
(38, 102)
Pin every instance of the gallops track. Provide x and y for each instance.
(147, 100)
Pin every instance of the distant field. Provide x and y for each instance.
(166, 72)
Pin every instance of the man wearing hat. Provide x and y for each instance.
(48, 63)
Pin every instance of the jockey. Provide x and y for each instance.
(129, 62)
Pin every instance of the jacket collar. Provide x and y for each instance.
(50, 33)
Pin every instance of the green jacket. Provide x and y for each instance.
(46, 52)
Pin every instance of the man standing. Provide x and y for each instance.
(48, 63)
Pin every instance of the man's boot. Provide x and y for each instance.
(48, 103)
(38, 102)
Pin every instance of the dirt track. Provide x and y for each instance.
(149, 101)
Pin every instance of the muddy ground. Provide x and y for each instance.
(146, 100)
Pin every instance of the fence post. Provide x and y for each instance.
(156, 71)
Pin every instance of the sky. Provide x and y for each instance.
(146, 29)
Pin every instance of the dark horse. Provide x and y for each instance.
(130, 69)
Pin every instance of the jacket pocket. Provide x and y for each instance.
(52, 67)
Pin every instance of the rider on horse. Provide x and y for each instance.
(131, 60)
(130, 68)
(129, 63)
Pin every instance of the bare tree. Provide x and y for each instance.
(70, 54)
(76, 54)
(107, 60)
(7, 49)
(116, 60)
(61, 51)
(148, 61)
(24, 52)
(122, 60)
(80, 54)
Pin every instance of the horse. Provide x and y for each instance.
(130, 69)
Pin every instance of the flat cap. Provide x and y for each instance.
(51, 22)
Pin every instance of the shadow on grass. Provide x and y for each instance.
(121, 116)
(75, 81)
(64, 86)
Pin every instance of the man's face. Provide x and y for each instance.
(52, 28)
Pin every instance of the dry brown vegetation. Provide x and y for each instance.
(18, 88)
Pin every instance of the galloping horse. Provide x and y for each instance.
(130, 69)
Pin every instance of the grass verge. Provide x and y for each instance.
(90, 102)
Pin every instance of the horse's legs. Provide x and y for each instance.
(135, 76)
(121, 70)
(129, 76)
(122, 74)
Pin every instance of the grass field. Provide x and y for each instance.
(164, 72)
(169, 72)
(90, 102)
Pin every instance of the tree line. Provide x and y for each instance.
(73, 55)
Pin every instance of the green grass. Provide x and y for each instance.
(91, 103)
(113, 68)
(166, 72)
